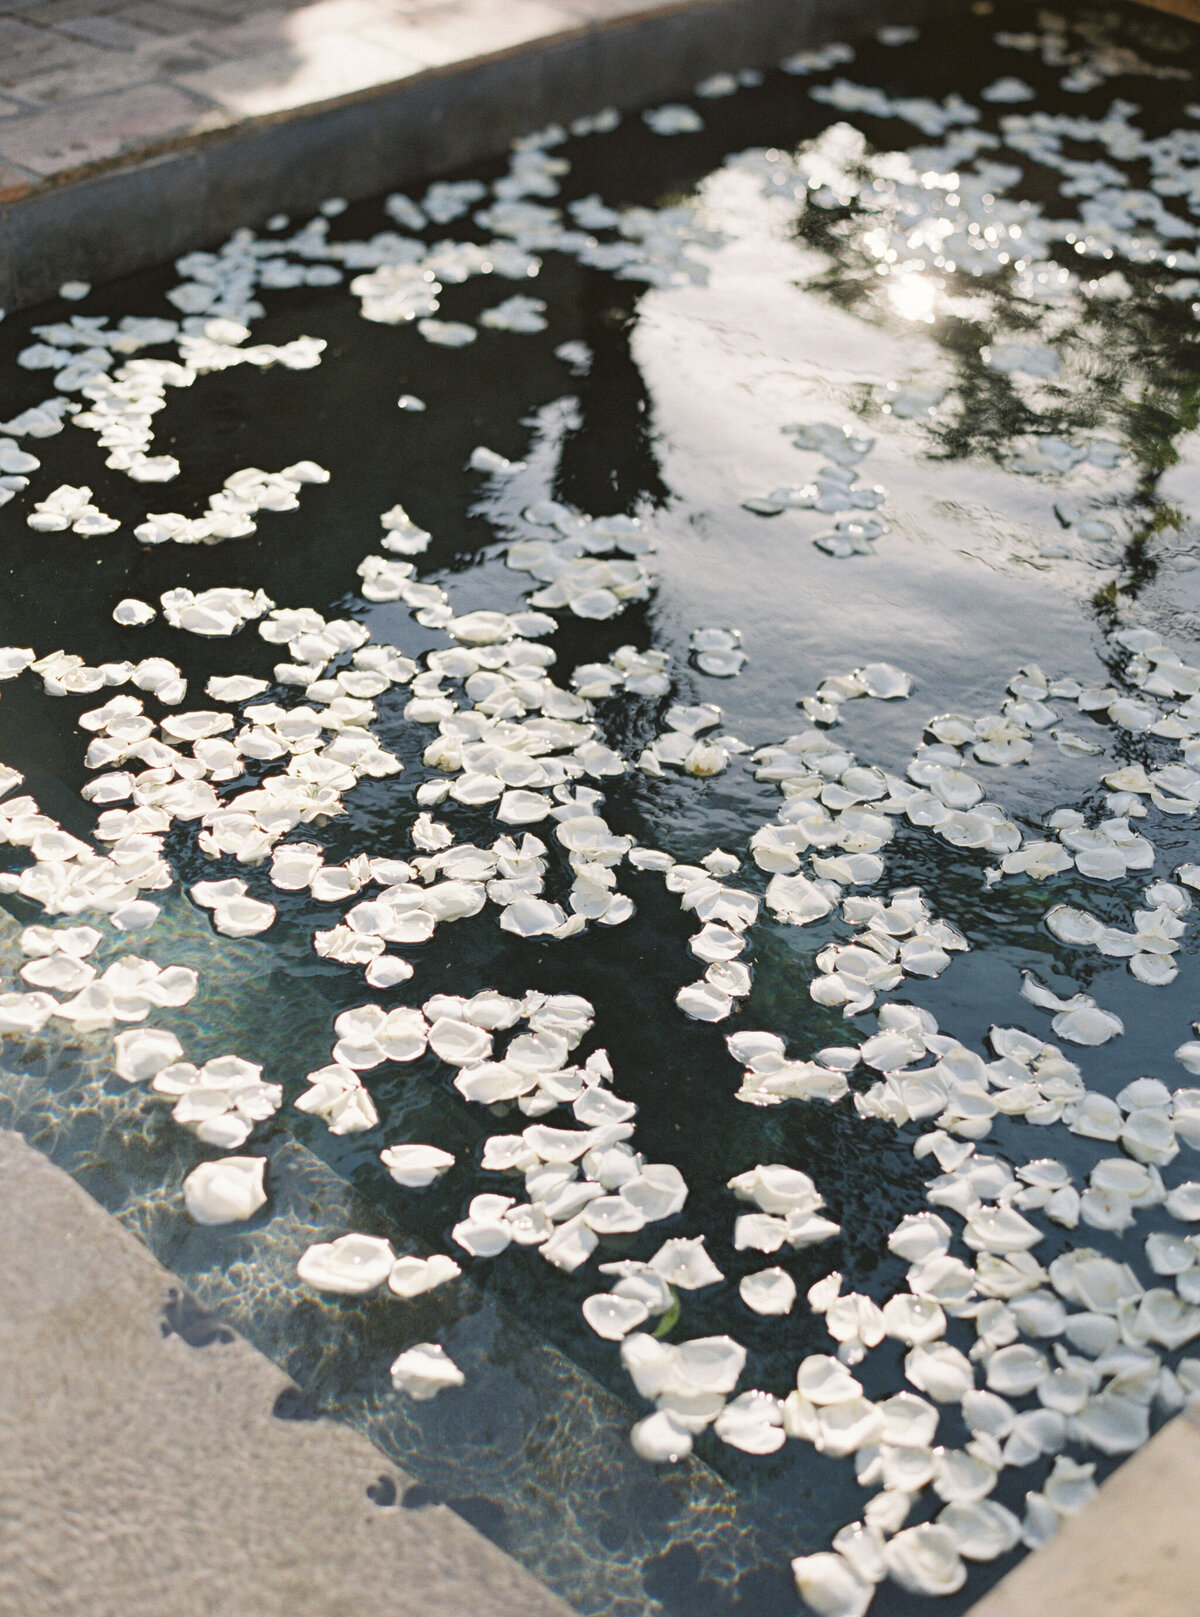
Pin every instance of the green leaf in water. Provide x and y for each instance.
(671, 1318)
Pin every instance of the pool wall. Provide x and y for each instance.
(158, 199)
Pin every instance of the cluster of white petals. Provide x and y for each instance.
(1011, 1340)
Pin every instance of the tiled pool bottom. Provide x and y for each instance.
(678, 419)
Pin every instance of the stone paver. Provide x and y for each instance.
(14, 181)
(1133, 1551)
(59, 139)
(236, 60)
(283, 79)
(92, 82)
(145, 1472)
(134, 130)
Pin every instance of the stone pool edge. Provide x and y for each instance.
(156, 1460)
(1132, 1551)
(155, 202)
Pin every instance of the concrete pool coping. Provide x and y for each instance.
(1132, 1551)
(155, 1461)
(206, 151)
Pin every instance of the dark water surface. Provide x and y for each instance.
(678, 420)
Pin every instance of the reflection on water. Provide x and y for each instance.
(673, 411)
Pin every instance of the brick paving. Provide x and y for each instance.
(87, 83)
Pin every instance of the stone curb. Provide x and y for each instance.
(155, 1462)
(123, 215)
(1132, 1551)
